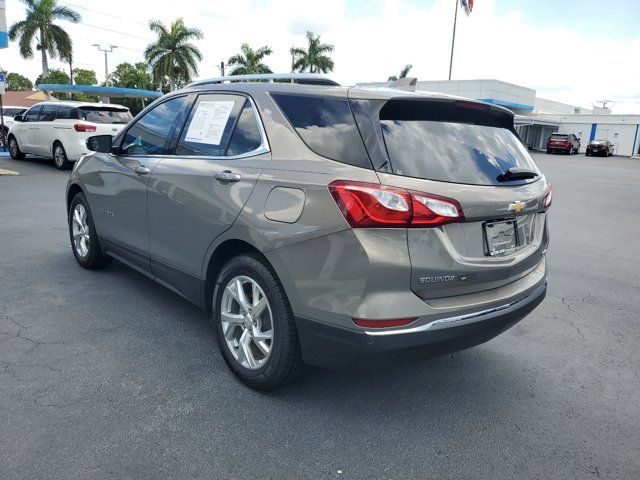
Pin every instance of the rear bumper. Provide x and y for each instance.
(340, 348)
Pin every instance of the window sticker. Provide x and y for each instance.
(209, 122)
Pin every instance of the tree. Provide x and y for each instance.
(15, 82)
(55, 76)
(84, 76)
(403, 73)
(127, 75)
(50, 38)
(171, 55)
(314, 58)
(249, 61)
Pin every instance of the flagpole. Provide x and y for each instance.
(453, 40)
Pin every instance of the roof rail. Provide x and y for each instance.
(302, 78)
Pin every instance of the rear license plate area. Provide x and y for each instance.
(501, 237)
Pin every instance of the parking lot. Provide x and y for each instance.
(104, 374)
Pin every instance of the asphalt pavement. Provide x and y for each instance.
(105, 374)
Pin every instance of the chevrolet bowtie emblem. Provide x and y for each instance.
(517, 207)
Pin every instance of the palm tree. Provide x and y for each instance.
(313, 58)
(403, 73)
(171, 55)
(249, 61)
(51, 39)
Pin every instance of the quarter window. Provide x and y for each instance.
(151, 134)
(327, 126)
(67, 113)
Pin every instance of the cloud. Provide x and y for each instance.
(372, 42)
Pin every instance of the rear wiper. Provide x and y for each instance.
(517, 173)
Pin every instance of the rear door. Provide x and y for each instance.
(461, 150)
(197, 193)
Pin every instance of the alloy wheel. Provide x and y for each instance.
(247, 322)
(13, 147)
(58, 156)
(80, 231)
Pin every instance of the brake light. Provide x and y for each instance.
(370, 205)
(83, 127)
(394, 322)
(548, 198)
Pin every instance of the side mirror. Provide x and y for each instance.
(100, 143)
(18, 118)
(579, 139)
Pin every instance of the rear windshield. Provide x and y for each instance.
(559, 137)
(105, 115)
(453, 152)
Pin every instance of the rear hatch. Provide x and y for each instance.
(467, 152)
(104, 119)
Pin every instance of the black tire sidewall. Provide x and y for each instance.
(274, 372)
(65, 163)
(19, 155)
(95, 257)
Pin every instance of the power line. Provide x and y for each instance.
(103, 13)
(116, 31)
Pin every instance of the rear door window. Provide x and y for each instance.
(453, 152)
(48, 113)
(211, 122)
(105, 115)
(246, 136)
(326, 125)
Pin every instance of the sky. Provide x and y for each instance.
(577, 52)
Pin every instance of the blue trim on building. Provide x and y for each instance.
(592, 135)
(4, 40)
(635, 139)
(502, 103)
(98, 90)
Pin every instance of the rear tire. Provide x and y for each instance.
(14, 149)
(243, 323)
(83, 236)
(60, 160)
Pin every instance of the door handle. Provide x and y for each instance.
(227, 176)
(142, 170)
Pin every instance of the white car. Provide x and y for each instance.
(8, 113)
(59, 130)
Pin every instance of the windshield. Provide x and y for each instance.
(105, 115)
(12, 112)
(454, 152)
(598, 142)
(559, 137)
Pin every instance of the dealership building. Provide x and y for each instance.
(537, 118)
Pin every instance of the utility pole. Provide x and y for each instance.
(106, 49)
(453, 39)
(221, 67)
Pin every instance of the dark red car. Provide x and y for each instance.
(563, 143)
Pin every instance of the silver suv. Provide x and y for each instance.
(319, 224)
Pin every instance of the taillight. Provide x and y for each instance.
(370, 205)
(548, 198)
(83, 127)
(383, 323)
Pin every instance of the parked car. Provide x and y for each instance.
(59, 130)
(7, 117)
(334, 226)
(600, 147)
(563, 143)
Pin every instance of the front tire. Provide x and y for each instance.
(60, 160)
(14, 149)
(83, 236)
(255, 328)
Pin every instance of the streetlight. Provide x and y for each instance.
(103, 47)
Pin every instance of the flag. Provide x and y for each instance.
(467, 6)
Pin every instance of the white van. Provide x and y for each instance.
(59, 130)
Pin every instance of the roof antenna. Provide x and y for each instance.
(407, 83)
